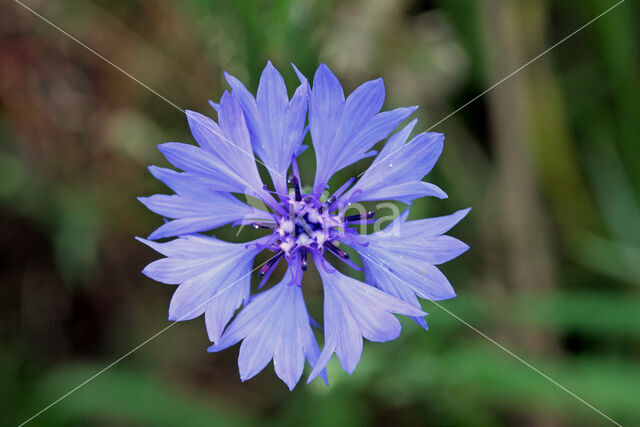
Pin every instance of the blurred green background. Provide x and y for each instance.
(549, 160)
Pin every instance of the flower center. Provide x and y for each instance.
(308, 225)
(305, 224)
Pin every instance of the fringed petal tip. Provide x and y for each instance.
(421, 321)
(215, 106)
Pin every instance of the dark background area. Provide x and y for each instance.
(549, 160)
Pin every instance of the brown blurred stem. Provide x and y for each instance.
(519, 236)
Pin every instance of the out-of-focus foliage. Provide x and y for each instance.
(549, 160)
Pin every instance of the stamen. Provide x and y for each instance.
(353, 218)
(294, 166)
(327, 204)
(347, 201)
(258, 225)
(265, 278)
(303, 256)
(293, 180)
(250, 222)
(342, 189)
(270, 264)
(339, 252)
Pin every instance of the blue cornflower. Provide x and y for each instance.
(214, 276)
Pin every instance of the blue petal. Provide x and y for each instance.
(342, 131)
(174, 271)
(180, 227)
(379, 127)
(344, 149)
(174, 206)
(434, 250)
(203, 164)
(226, 157)
(183, 183)
(335, 122)
(423, 278)
(360, 107)
(404, 192)
(247, 320)
(326, 104)
(274, 325)
(289, 354)
(380, 278)
(301, 150)
(398, 170)
(214, 105)
(272, 100)
(222, 307)
(192, 246)
(294, 126)
(238, 154)
(401, 259)
(238, 150)
(193, 159)
(353, 310)
(276, 124)
(199, 211)
(254, 120)
(429, 227)
(210, 272)
(191, 298)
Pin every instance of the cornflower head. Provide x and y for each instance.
(214, 276)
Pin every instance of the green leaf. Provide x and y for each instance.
(125, 396)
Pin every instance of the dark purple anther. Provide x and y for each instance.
(339, 252)
(327, 204)
(257, 225)
(303, 257)
(270, 264)
(352, 218)
(293, 180)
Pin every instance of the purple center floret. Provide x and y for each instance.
(308, 226)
